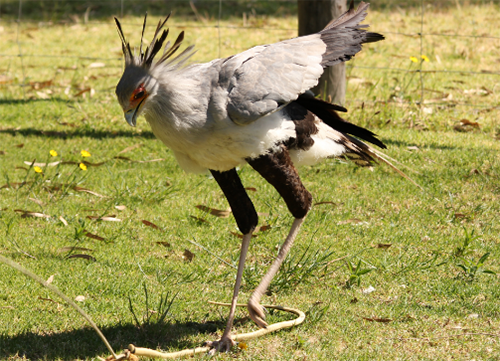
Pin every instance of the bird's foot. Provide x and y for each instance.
(256, 312)
(223, 345)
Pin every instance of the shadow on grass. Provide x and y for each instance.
(84, 343)
(27, 101)
(87, 132)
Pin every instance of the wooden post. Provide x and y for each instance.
(314, 15)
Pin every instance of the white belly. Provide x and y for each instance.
(224, 145)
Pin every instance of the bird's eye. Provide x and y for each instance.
(139, 95)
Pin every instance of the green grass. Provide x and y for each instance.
(420, 287)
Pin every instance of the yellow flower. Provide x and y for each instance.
(242, 346)
(85, 153)
(38, 169)
(83, 166)
(53, 153)
(414, 59)
(424, 57)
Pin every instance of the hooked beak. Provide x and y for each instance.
(131, 117)
(131, 114)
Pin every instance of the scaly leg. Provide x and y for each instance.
(246, 218)
(226, 342)
(277, 169)
(254, 307)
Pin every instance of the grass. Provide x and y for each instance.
(421, 246)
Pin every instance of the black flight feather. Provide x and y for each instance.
(326, 112)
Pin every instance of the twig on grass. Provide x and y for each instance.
(133, 351)
(54, 289)
(429, 339)
(213, 254)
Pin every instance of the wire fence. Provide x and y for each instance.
(421, 38)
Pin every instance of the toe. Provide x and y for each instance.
(256, 312)
(223, 345)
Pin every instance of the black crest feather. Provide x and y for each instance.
(145, 58)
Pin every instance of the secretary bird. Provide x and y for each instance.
(254, 107)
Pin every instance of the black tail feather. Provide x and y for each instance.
(326, 112)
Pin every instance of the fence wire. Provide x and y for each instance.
(23, 53)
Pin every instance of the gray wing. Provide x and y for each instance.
(262, 79)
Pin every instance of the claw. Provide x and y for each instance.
(256, 312)
(223, 345)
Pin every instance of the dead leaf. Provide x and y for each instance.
(199, 219)
(93, 236)
(374, 319)
(37, 85)
(460, 215)
(188, 255)
(4, 79)
(121, 208)
(252, 189)
(72, 248)
(165, 244)
(37, 201)
(53, 164)
(80, 189)
(81, 92)
(20, 145)
(468, 122)
(215, 212)
(482, 91)
(84, 256)
(150, 224)
(326, 202)
(2, 152)
(132, 147)
(42, 95)
(413, 147)
(96, 65)
(466, 125)
(14, 184)
(383, 245)
(73, 125)
(47, 299)
(67, 67)
(49, 280)
(93, 217)
(32, 214)
(368, 290)
(110, 219)
(262, 228)
(149, 161)
(65, 222)
(80, 298)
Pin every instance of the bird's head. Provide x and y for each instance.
(133, 91)
(138, 84)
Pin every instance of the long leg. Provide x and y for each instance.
(277, 168)
(247, 219)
